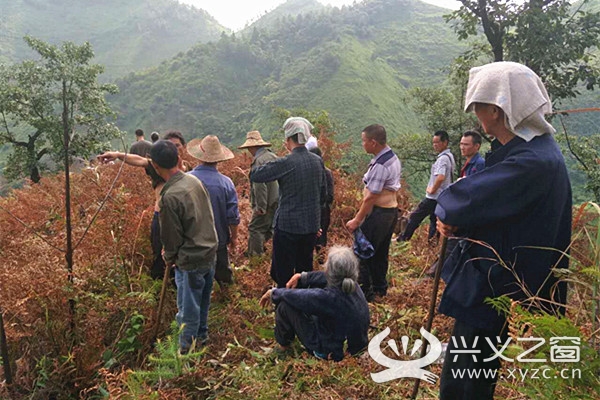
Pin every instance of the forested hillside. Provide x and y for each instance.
(290, 8)
(355, 62)
(127, 35)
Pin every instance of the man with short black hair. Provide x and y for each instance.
(301, 178)
(158, 266)
(189, 240)
(154, 136)
(440, 179)
(470, 143)
(141, 147)
(378, 211)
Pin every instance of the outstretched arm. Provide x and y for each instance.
(131, 159)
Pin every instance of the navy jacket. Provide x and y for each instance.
(517, 213)
(338, 316)
(475, 164)
(223, 199)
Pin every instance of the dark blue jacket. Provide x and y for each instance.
(223, 198)
(475, 164)
(517, 213)
(338, 316)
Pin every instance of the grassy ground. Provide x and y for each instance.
(103, 347)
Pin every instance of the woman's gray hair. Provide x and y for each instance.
(341, 268)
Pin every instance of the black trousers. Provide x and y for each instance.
(325, 221)
(289, 323)
(426, 208)
(292, 253)
(223, 272)
(453, 387)
(158, 265)
(378, 228)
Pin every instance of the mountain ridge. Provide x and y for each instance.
(319, 60)
(126, 35)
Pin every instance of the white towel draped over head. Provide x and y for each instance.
(298, 125)
(518, 91)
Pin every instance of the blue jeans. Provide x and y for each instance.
(193, 300)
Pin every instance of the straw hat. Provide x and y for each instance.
(209, 150)
(253, 139)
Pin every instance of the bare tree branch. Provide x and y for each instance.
(101, 207)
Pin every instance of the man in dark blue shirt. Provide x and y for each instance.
(470, 143)
(302, 190)
(223, 198)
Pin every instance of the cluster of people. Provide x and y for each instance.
(509, 217)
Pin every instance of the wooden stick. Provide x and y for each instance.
(161, 301)
(432, 302)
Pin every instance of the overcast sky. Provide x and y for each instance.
(234, 14)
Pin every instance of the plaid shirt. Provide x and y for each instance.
(302, 190)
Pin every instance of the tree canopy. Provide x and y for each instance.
(37, 97)
(552, 37)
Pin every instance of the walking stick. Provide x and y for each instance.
(433, 300)
(161, 301)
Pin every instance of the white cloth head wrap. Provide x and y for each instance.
(518, 91)
(298, 125)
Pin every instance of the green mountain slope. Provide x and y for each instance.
(127, 35)
(355, 62)
(290, 8)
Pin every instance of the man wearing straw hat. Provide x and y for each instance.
(302, 190)
(264, 196)
(223, 197)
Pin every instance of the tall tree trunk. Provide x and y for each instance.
(4, 352)
(69, 247)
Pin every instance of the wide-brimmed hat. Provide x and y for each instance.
(209, 150)
(253, 139)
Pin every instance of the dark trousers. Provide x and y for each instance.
(325, 221)
(289, 323)
(291, 253)
(455, 388)
(223, 272)
(158, 265)
(426, 208)
(378, 228)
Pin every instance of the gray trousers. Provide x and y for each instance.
(260, 230)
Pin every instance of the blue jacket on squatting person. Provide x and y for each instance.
(514, 217)
(323, 309)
